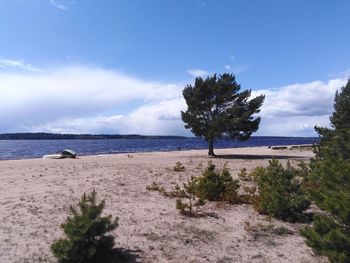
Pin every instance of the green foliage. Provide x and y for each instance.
(216, 108)
(252, 176)
(184, 208)
(179, 167)
(328, 184)
(340, 118)
(280, 192)
(270, 228)
(86, 240)
(244, 176)
(212, 185)
(336, 141)
(282, 231)
(329, 188)
(215, 185)
(187, 192)
(155, 187)
(177, 192)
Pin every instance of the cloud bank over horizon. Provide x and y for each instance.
(81, 99)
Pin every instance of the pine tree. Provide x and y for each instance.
(216, 108)
(330, 234)
(329, 185)
(280, 192)
(336, 140)
(86, 240)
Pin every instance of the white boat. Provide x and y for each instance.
(61, 155)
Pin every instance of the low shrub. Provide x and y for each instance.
(187, 192)
(179, 167)
(280, 192)
(155, 187)
(216, 185)
(85, 230)
(212, 185)
(270, 228)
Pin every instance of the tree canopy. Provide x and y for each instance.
(328, 184)
(337, 139)
(216, 109)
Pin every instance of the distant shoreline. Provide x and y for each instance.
(249, 150)
(57, 136)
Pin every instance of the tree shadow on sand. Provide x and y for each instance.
(121, 255)
(258, 156)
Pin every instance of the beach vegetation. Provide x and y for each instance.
(280, 192)
(155, 187)
(328, 185)
(214, 185)
(335, 140)
(179, 167)
(86, 239)
(253, 176)
(330, 233)
(177, 192)
(187, 192)
(217, 109)
(270, 228)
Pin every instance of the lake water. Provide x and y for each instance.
(24, 149)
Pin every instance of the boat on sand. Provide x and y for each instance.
(61, 155)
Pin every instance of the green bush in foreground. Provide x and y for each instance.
(216, 185)
(212, 185)
(86, 240)
(280, 192)
(330, 234)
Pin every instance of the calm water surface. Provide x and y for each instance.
(23, 149)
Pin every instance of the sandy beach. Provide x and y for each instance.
(35, 196)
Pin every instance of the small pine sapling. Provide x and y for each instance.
(214, 185)
(85, 230)
(280, 192)
(188, 192)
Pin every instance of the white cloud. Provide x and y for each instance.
(227, 67)
(197, 72)
(162, 118)
(294, 110)
(80, 99)
(62, 4)
(83, 99)
(17, 64)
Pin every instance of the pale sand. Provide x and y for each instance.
(35, 196)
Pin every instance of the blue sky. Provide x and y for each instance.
(137, 55)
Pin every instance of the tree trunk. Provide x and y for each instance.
(211, 147)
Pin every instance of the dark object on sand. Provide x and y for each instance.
(62, 154)
(279, 147)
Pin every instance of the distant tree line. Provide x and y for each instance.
(53, 136)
